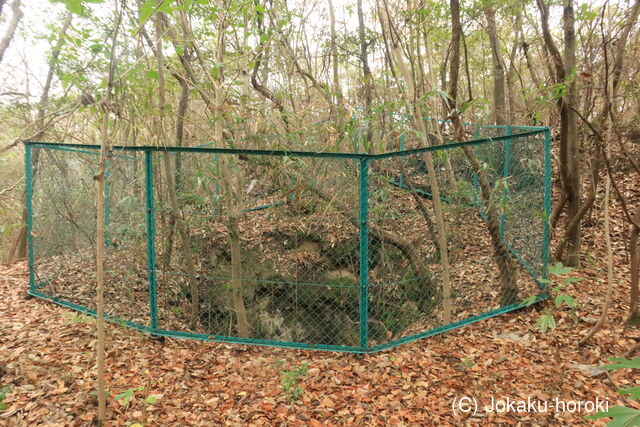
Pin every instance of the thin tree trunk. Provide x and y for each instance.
(569, 143)
(618, 61)
(231, 180)
(366, 74)
(11, 29)
(183, 105)
(498, 67)
(175, 214)
(634, 311)
(419, 124)
(339, 110)
(502, 256)
(105, 151)
(586, 205)
(260, 88)
(512, 70)
(19, 247)
(574, 236)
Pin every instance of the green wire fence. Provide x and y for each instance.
(302, 249)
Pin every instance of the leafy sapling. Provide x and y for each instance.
(547, 320)
(290, 380)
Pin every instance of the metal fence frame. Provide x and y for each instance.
(364, 159)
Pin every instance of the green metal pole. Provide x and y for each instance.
(546, 255)
(218, 185)
(29, 201)
(364, 253)
(151, 234)
(476, 134)
(402, 149)
(505, 175)
(107, 210)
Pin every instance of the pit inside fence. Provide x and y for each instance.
(334, 248)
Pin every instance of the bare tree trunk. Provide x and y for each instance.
(569, 143)
(618, 61)
(454, 64)
(19, 246)
(433, 103)
(11, 29)
(574, 236)
(231, 181)
(586, 205)
(511, 97)
(100, 255)
(175, 214)
(419, 124)
(498, 67)
(502, 256)
(339, 110)
(183, 105)
(366, 74)
(260, 88)
(634, 311)
(105, 151)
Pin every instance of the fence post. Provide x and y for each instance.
(547, 204)
(151, 234)
(29, 202)
(402, 149)
(107, 210)
(476, 134)
(364, 252)
(505, 175)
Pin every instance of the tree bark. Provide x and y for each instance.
(231, 182)
(366, 75)
(105, 152)
(339, 109)
(569, 143)
(175, 214)
(419, 123)
(498, 67)
(11, 29)
(502, 256)
(18, 249)
(572, 152)
(261, 89)
(634, 310)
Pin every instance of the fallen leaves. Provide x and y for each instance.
(48, 363)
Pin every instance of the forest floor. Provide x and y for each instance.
(47, 360)
(47, 363)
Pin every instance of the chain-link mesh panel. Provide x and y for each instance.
(64, 231)
(258, 247)
(493, 205)
(315, 250)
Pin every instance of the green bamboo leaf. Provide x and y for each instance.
(620, 416)
(622, 363)
(633, 392)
